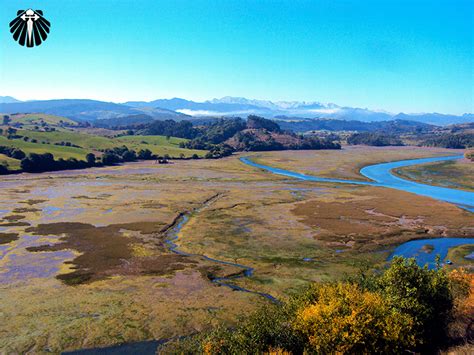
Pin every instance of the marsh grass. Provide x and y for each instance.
(128, 287)
(452, 174)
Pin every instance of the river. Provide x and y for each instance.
(381, 175)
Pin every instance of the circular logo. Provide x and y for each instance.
(30, 28)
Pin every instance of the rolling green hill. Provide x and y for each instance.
(55, 143)
(157, 144)
(39, 148)
(12, 164)
(32, 119)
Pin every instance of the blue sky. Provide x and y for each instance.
(410, 56)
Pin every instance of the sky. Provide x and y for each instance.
(392, 55)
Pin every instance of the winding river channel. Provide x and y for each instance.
(380, 174)
(247, 271)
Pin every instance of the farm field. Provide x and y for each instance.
(86, 252)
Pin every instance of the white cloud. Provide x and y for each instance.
(199, 112)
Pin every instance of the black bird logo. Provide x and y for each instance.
(30, 27)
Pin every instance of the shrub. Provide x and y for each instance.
(129, 155)
(90, 158)
(35, 163)
(345, 319)
(110, 158)
(14, 153)
(145, 154)
(423, 294)
(17, 154)
(3, 169)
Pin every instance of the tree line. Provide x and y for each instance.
(376, 139)
(37, 163)
(450, 140)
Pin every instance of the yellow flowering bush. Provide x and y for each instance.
(405, 308)
(345, 319)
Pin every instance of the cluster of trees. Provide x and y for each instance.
(124, 154)
(376, 139)
(9, 132)
(249, 141)
(216, 132)
(118, 155)
(314, 142)
(11, 152)
(37, 163)
(181, 129)
(212, 136)
(448, 140)
(397, 126)
(4, 169)
(256, 122)
(66, 144)
(219, 151)
(407, 308)
(248, 136)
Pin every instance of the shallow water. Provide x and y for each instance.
(18, 264)
(142, 348)
(381, 175)
(441, 246)
(247, 271)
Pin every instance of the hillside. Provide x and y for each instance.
(394, 126)
(254, 134)
(41, 134)
(37, 119)
(85, 110)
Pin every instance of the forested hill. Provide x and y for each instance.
(394, 126)
(235, 134)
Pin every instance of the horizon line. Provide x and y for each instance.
(119, 102)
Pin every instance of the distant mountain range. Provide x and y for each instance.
(283, 110)
(86, 110)
(179, 109)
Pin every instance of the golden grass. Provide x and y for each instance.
(345, 163)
